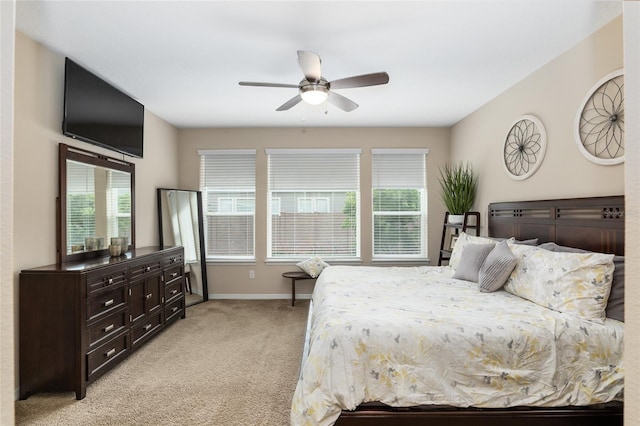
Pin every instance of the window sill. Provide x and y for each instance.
(231, 261)
(298, 260)
(404, 261)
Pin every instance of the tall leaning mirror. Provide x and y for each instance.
(96, 203)
(181, 224)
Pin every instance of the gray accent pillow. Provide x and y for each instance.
(497, 267)
(615, 303)
(471, 260)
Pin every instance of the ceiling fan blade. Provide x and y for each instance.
(364, 80)
(341, 102)
(290, 103)
(310, 64)
(252, 83)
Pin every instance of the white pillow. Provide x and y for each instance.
(574, 283)
(463, 240)
(312, 266)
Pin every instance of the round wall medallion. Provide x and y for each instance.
(524, 147)
(599, 123)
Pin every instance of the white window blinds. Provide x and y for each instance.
(81, 205)
(313, 203)
(228, 185)
(399, 185)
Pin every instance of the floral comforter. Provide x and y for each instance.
(414, 336)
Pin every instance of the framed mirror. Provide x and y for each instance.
(181, 223)
(96, 203)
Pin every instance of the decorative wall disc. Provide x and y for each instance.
(524, 147)
(599, 123)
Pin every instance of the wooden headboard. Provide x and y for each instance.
(594, 223)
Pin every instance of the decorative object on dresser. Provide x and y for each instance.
(524, 147)
(80, 319)
(181, 223)
(599, 125)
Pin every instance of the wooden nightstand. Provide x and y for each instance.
(296, 275)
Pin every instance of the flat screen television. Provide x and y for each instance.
(98, 113)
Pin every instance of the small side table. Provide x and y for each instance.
(296, 275)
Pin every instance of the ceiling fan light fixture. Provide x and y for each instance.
(314, 94)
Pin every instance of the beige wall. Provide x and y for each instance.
(39, 81)
(553, 94)
(7, 352)
(233, 280)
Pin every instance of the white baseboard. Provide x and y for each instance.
(258, 296)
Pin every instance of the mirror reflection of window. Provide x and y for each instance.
(98, 206)
(183, 212)
(81, 205)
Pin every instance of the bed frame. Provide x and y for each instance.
(596, 224)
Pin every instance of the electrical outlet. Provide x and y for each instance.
(252, 274)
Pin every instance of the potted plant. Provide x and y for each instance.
(458, 186)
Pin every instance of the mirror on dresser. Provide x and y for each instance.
(96, 203)
(180, 223)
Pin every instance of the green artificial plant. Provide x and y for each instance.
(458, 186)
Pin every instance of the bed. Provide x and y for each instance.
(375, 355)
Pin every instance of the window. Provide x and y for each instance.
(399, 184)
(228, 185)
(313, 205)
(316, 194)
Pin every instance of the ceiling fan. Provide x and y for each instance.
(315, 89)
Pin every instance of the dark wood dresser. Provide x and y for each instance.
(78, 320)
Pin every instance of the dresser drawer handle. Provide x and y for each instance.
(110, 353)
(110, 281)
(147, 327)
(147, 269)
(149, 296)
(174, 291)
(175, 274)
(108, 303)
(108, 328)
(175, 308)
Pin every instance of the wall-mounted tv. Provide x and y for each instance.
(98, 113)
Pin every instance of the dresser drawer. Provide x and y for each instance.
(106, 302)
(173, 259)
(107, 327)
(148, 326)
(173, 310)
(173, 290)
(107, 355)
(173, 273)
(107, 277)
(140, 270)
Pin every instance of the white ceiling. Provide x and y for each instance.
(183, 59)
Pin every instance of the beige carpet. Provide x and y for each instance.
(227, 363)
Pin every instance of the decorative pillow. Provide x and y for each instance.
(464, 240)
(312, 266)
(615, 303)
(471, 260)
(496, 268)
(574, 283)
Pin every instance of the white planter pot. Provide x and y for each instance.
(456, 219)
